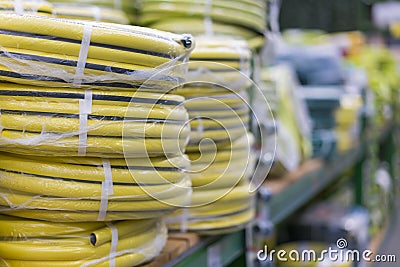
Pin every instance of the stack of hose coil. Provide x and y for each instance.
(65, 10)
(41, 8)
(39, 243)
(89, 12)
(240, 18)
(96, 139)
(220, 145)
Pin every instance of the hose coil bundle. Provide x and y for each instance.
(219, 146)
(38, 243)
(244, 18)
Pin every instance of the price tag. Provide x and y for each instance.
(214, 256)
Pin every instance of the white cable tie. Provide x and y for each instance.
(18, 8)
(208, 24)
(118, 4)
(83, 54)
(200, 127)
(184, 220)
(96, 13)
(107, 189)
(85, 108)
(114, 243)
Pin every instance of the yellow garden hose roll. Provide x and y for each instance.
(223, 168)
(199, 27)
(37, 243)
(39, 120)
(89, 12)
(90, 189)
(41, 8)
(57, 53)
(244, 18)
(219, 61)
(230, 212)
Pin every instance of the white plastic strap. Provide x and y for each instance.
(83, 53)
(96, 13)
(184, 220)
(208, 24)
(200, 127)
(114, 243)
(107, 189)
(18, 8)
(85, 108)
(118, 4)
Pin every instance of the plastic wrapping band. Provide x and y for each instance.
(200, 127)
(184, 220)
(96, 13)
(85, 108)
(114, 243)
(107, 189)
(18, 8)
(208, 23)
(83, 54)
(118, 4)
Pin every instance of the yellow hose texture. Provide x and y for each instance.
(127, 6)
(217, 103)
(39, 120)
(65, 10)
(45, 51)
(244, 18)
(31, 243)
(41, 8)
(72, 189)
(222, 168)
(89, 12)
(229, 213)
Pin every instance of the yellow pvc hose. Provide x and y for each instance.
(240, 18)
(237, 12)
(39, 120)
(42, 8)
(63, 189)
(89, 12)
(229, 213)
(198, 27)
(44, 51)
(129, 243)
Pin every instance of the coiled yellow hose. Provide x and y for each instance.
(39, 120)
(89, 12)
(45, 51)
(71, 189)
(229, 213)
(243, 18)
(42, 8)
(37, 243)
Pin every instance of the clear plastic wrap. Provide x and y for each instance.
(92, 189)
(33, 243)
(53, 52)
(72, 122)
